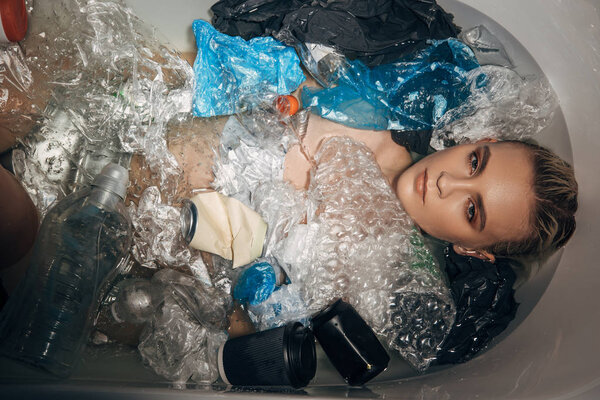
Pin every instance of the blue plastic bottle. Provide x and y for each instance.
(82, 241)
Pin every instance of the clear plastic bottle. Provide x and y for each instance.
(82, 242)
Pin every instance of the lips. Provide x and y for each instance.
(421, 184)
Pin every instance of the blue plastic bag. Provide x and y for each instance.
(411, 94)
(227, 68)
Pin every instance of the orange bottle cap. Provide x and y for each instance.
(287, 105)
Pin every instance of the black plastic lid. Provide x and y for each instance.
(301, 354)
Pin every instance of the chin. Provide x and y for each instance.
(405, 190)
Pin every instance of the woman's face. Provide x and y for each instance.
(472, 195)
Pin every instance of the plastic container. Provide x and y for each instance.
(350, 343)
(277, 357)
(81, 243)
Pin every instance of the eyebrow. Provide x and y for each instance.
(483, 163)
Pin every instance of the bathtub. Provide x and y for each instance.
(550, 350)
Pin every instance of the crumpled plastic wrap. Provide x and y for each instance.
(17, 113)
(42, 192)
(157, 239)
(249, 167)
(228, 67)
(284, 305)
(487, 48)
(412, 93)
(182, 339)
(103, 87)
(501, 105)
(441, 89)
(357, 242)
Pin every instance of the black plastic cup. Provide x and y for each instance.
(350, 344)
(278, 357)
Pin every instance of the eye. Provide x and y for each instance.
(473, 162)
(470, 211)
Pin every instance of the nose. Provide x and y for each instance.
(448, 184)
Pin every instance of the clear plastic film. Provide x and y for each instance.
(442, 89)
(102, 88)
(501, 105)
(487, 48)
(42, 192)
(409, 94)
(157, 240)
(17, 113)
(249, 166)
(182, 338)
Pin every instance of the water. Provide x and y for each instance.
(81, 242)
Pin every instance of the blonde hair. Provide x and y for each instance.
(552, 220)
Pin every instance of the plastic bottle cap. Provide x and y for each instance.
(13, 20)
(287, 105)
(113, 178)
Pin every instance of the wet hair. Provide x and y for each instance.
(552, 219)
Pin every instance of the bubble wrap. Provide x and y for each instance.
(501, 105)
(157, 239)
(360, 245)
(357, 242)
(181, 341)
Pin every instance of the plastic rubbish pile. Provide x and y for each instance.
(105, 90)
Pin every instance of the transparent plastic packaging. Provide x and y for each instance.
(157, 240)
(182, 338)
(95, 85)
(437, 90)
(487, 48)
(136, 300)
(501, 105)
(409, 94)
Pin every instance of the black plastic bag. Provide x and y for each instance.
(484, 297)
(373, 31)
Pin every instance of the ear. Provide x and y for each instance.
(481, 254)
(487, 140)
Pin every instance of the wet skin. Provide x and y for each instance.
(471, 195)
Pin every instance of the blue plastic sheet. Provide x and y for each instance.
(411, 94)
(256, 284)
(228, 68)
